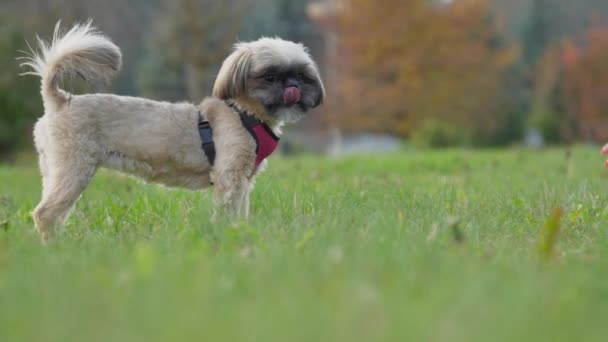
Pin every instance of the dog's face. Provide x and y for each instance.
(280, 75)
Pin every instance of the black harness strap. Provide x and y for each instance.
(206, 133)
(249, 122)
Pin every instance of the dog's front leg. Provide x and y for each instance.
(234, 162)
(251, 185)
(232, 193)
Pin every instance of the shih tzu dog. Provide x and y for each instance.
(220, 143)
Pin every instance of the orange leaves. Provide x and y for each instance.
(403, 62)
(585, 83)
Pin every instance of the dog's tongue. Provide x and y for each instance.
(291, 96)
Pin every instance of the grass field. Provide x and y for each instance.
(421, 246)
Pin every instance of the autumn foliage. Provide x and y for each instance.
(585, 89)
(571, 89)
(403, 63)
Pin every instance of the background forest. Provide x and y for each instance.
(434, 72)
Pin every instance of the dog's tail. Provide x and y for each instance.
(82, 51)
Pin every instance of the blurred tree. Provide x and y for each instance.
(125, 22)
(571, 92)
(547, 113)
(409, 61)
(284, 18)
(544, 22)
(585, 88)
(537, 34)
(190, 39)
(20, 103)
(541, 25)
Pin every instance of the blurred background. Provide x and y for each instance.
(429, 73)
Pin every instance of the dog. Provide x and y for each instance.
(220, 143)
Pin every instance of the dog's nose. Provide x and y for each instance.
(291, 82)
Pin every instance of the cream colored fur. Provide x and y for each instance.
(156, 141)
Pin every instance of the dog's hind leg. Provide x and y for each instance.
(44, 171)
(63, 184)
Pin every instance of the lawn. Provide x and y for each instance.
(421, 246)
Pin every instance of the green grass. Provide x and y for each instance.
(354, 249)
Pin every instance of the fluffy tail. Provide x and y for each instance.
(82, 51)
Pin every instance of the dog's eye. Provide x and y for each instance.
(270, 78)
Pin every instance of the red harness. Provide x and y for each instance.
(265, 139)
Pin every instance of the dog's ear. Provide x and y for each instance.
(319, 88)
(232, 77)
(320, 85)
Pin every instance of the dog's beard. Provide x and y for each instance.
(286, 114)
(289, 114)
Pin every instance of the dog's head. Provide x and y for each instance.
(280, 75)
